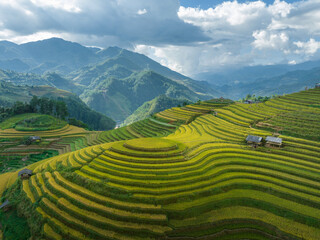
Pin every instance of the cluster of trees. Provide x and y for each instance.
(75, 113)
(48, 106)
(185, 103)
(255, 98)
(41, 105)
(78, 123)
(80, 111)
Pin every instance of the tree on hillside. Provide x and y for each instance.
(37, 105)
(61, 109)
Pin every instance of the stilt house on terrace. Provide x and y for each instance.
(273, 141)
(25, 174)
(254, 140)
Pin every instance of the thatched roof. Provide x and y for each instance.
(25, 171)
(256, 139)
(274, 139)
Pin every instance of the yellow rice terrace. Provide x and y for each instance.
(210, 170)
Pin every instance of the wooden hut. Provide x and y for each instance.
(254, 140)
(273, 141)
(317, 85)
(25, 174)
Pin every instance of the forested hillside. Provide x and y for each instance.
(126, 95)
(9, 94)
(156, 105)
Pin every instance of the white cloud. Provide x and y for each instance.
(280, 8)
(35, 37)
(142, 11)
(265, 40)
(308, 48)
(250, 33)
(304, 17)
(69, 6)
(232, 13)
(240, 30)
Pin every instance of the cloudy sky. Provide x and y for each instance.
(189, 36)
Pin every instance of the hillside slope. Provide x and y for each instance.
(203, 180)
(157, 104)
(10, 93)
(119, 98)
(31, 79)
(144, 62)
(121, 63)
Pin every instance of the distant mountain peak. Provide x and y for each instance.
(109, 52)
(7, 43)
(51, 40)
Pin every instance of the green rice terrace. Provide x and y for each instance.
(32, 122)
(184, 173)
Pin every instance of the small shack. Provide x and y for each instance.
(5, 206)
(248, 102)
(317, 85)
(25, 174)
(254, 140)
(34, 139)
(273, 141)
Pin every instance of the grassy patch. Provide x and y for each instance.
(13, 226)
(32, 122)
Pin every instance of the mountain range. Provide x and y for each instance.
(112, 81)
(263, 80)
(289, 82)
(253, 73)
(53, 54)
(116, 81)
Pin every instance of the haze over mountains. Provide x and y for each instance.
(116, 81)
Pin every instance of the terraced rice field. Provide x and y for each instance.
(14, 155)
(188, 113)
(201, 181)
(66, 130)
